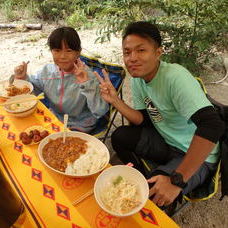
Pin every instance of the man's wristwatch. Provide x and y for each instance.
(177, 179)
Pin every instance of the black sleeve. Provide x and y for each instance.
(209, 124)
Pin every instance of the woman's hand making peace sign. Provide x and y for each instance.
(79, 71)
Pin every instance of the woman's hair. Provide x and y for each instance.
(66, 34)
(143, 29)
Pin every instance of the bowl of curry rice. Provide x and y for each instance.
(81, 154)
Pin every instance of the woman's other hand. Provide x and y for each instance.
(107, 90)
(79, 71)
(21, 71)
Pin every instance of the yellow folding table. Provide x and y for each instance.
(48, 196)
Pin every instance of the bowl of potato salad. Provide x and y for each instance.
(21, 105)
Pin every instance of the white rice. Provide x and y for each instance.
(90, 162)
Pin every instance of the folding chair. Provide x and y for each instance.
(210, 186)
(117, 75)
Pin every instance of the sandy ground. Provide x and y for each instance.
(16, 47)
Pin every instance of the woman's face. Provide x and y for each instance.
(65, 57)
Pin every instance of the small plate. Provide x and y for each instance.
(18, 83)
(35, 127)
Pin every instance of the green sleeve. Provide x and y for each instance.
(187, 95)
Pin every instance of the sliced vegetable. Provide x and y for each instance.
(117, 180)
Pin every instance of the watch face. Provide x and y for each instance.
(177, 179)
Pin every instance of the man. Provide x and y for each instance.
(172, 124)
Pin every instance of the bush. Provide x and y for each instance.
(78, 19)
(116, 14)
(56, 9)
(191, 28)
(51, 9)
(9, 8)
(194, 27)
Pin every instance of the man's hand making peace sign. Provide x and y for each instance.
(109, 94)
(107, 90)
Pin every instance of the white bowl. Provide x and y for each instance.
(96, 144)
(24, 109)
(23, 114)
(130, 174)
(17, 82)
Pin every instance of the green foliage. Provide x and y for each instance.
(194, 27)
(191, 28)
(116, 14)
(78, 19)
(14, 10)
(8, 8)
(74, 11)
(51, 9)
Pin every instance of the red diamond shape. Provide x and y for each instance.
(11, 136)
(55, 128)
(5, 126)
(40, 112)
(48, 191)
(27, 160)
(148, 216)
(63, 211)
(18, 146)
(37, 175)
(47, 119)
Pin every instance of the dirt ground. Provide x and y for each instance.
(18, 46)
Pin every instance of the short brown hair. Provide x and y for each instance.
(68, 35)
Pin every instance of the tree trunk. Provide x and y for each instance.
(20, 26)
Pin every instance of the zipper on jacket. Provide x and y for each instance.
(61, 92)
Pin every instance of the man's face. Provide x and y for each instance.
(65, 57)
(141, 56)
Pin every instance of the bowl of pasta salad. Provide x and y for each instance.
(121, 190)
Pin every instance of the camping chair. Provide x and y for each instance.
(210, 186)
(116, 75)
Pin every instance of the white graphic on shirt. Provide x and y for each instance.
(154, 114)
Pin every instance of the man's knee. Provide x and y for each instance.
(118, 134)
(126, 137)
